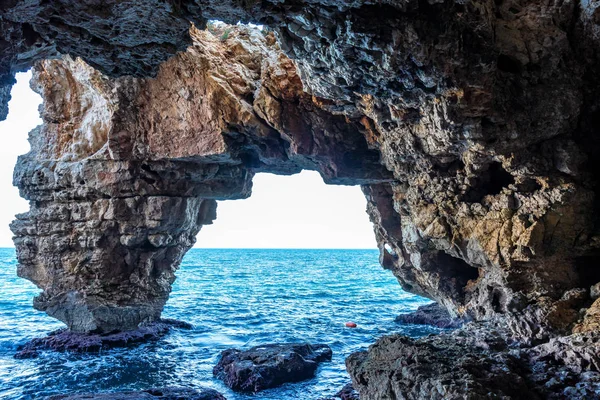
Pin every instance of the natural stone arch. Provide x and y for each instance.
(152, 155)
(124, 172)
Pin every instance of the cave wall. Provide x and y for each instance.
(472, 126)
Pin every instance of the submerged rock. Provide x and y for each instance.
(431, 314)
(168, 393)
(347, 393)
(270, 365)
(65, 340)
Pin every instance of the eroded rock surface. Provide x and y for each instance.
(271, 365)
(168, 393)
(473, 128)
(431, 314)
(477, 361)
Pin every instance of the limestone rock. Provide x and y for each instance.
(270, 365)
(477, 361)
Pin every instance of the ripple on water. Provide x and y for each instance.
(234, 298)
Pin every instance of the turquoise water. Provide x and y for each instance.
(234, 298)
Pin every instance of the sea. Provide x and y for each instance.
(235, 298)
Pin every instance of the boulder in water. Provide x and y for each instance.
(270, 365)
(347, 393)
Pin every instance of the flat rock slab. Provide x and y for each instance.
(433, 315)
(65, 340)
(270, 365)
(168, 393)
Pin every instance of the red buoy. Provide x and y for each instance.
(351, 325)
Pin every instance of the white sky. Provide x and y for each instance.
(23, 116)
(297, 211)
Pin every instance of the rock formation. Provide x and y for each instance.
(471, 126)
(433, 315)
(346, 393)
(124, 172)
(65, 340)
(270, 365)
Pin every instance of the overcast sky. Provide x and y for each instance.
(297, 211)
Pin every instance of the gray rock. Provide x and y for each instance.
(431, 314)
(595, 291)
(270, 365)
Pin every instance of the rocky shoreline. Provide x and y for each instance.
(65, 340)
(478, 361)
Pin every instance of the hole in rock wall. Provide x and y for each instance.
(588, 269)
(509, 64)
(298, 211)
(455, 274)
(23, 116)
(489, 183)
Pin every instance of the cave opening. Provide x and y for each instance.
(455, 274)
(489, 183)
(297, 211)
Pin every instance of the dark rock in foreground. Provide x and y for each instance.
(65, 340)
(169, 393)
(271, 365)
(347, 393)
(478, 361)
(431, 314)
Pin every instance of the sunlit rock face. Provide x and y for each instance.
(473, 128)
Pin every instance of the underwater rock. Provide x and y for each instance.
(431, 314)
(346, 393)
(65, 340)
(270, 365)
(168, 393)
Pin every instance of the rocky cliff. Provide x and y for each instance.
(471, 126)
